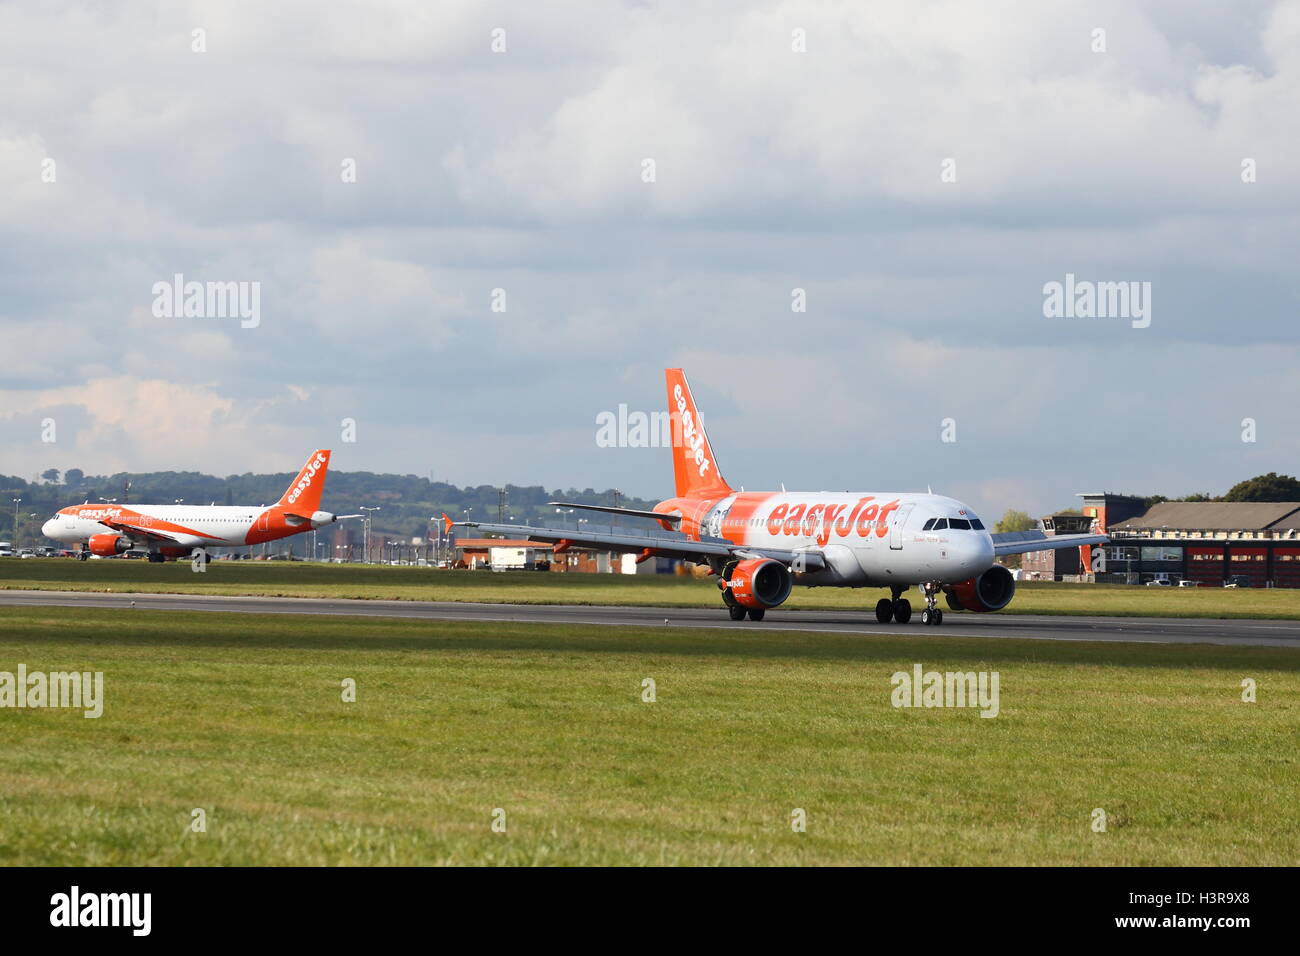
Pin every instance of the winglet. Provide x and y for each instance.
(446, 523)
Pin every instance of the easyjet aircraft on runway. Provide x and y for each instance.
(760, 544)
(170, 531)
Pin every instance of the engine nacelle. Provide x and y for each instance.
(758, 583)
(108, 545)
(991, 591)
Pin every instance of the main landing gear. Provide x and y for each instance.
(899, 608)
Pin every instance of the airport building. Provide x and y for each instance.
(1254, 544)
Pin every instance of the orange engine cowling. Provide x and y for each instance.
(758, 583)
(107, 545)
(991, 591)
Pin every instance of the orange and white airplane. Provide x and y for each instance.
(760, 544)
(173, 531)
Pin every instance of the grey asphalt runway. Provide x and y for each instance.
(1036, 627)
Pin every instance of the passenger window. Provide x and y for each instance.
(940, 524)
(959, 524)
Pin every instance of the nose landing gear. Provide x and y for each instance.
(932, 614)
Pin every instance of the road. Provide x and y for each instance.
(1036, 627)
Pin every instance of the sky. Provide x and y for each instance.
(473, 228)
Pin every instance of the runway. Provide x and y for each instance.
(1024, 626)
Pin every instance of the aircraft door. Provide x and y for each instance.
(896, 529)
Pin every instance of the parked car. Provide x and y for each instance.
(1189, 583)
(1237, 581)
(1159, 583)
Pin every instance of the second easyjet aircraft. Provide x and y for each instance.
(169, 531)
(760, 544)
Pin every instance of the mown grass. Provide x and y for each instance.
(242, 715)
(379, 582)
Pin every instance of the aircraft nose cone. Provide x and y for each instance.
(50, 527)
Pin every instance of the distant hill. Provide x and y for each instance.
(406, 502)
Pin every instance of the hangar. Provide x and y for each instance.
(1256, 543)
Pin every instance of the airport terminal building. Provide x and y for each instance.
(1208, 542)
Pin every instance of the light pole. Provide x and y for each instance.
(16, 500)
(369, 515)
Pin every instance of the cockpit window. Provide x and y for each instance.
(977, 524)
(940, 524)
(929, 525)
(959, 524)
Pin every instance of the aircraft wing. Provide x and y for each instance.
(1022, 542)
(668, 547)
(630, 512)
(135, 531)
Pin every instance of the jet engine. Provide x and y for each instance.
(758, 583)
(107, 545)
(991, 591)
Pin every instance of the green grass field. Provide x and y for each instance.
(242, 715)
(289, 579)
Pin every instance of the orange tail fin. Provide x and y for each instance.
(303, 494)
(695, 469)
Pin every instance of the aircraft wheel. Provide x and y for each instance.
(737, 612)
(902, 611)
(938, 616)
(756, 614)
(83, 555)
(884, 610)
(927, 616)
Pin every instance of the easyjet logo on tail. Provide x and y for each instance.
(692, 439)
(305, 478)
